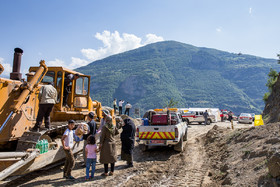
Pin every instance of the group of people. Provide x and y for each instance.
(128, 106)
(100, 140)
(96, 140)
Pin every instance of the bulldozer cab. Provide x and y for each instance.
(77, 93)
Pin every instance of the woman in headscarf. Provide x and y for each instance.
(108, 154)
(128, 138)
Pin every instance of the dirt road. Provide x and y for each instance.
(159, 166)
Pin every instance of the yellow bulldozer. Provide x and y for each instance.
(19, 106)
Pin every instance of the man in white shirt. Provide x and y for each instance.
(127, 108)
(120, 106)
(67, 141)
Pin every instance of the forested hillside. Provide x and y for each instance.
(148, 77)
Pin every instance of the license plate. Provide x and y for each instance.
(157, 141)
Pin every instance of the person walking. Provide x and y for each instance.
(47, 99)
(115, 105)
(92, 131)
(90, 150)
(128, 139)
(205, 115)
(127, 108)
(67, 141)
(120, 106)
(108, 154)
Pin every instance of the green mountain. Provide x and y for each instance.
(148, 77)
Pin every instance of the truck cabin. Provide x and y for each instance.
(79, 95)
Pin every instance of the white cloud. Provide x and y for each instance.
(250, 10)
(56, 62)
(76, 62)
(219, 29)
(152, 38)
(114, 43)
(7, 68)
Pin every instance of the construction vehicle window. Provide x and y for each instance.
(58, 85)
(81, 86)
(49, 77)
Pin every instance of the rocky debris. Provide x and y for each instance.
(242, 157)
(274, 165)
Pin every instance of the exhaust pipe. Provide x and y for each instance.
(16, 75)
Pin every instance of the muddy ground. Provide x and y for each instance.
(214, 155)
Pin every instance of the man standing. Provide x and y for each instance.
(67, 141)
(120, 106)
(230, 118)
(47, 98)
(92, 131)
(128, 139)
(115, 105)
(127, 108)
(205, 115)
(68, 87)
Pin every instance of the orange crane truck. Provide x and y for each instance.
(19, 106)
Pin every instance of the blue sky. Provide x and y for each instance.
(74, 33)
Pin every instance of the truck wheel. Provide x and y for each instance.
(185, 137)
(179, 146)
(143, 147)
(208, 121)
(199, 123)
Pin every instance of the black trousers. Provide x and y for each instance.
(106, 167)
(126, 111)
(66, 92)
(115, 109)
(120, 110)
(44, 112)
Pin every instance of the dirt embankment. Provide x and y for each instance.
(271, 113)
(240, 157)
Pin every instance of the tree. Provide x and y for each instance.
(265, 97)
(171, 103)
(272, 78)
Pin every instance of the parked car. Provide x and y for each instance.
(197, 116)
(245, 118)
(253, 116)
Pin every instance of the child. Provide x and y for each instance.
(90, 150)
(67, 143)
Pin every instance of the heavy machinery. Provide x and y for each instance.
(19, 106)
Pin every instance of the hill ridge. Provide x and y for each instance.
(149, 76)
